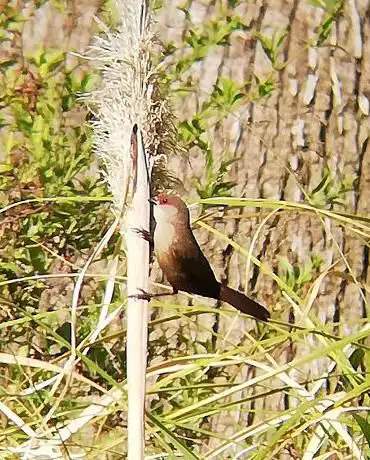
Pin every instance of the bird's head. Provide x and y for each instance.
(170, 209)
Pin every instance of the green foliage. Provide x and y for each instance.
(264, 87)
(215, 183)
(200, 40)
(296, 277)
(225, 97)
(364, 424)
(109, 14)
(47, 147)
(272, 46)
(233, 3)
(11, 21)
(331, 190)
(332, 9)
(329, 6)
(324, 30)
(191, 132)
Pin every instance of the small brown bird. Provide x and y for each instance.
(184, 264)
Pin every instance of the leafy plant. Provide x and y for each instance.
(364, 425)
(215, 32)
(331, 189)
(272, 46)
(191, 132)
(225, 97)
(214, 182)
(47, 148)
(329, 6)
(264, 87)
(332, 9)
(297, 277)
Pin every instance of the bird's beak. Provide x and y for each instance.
(153, 201)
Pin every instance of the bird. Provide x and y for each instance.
(183, 262)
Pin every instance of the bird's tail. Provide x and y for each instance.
(242, 303)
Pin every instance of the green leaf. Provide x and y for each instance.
(323, 183)
(266, 43)
(265, 87)
(324, 30)
(357, 357)
(271, 46)
(233, 3)
(38, 259)
(5, 168)
(38, 56)
(54, 58)
(177, 442)
(9, 267)
(364, 426)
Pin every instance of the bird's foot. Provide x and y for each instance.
(145, 234)
(142, 296)
(146, 296)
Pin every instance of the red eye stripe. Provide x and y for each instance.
(163, 199)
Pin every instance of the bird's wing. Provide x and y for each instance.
(190, 271)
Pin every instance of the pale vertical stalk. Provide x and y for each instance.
(137, 310)
(124, 101)
(130, 96)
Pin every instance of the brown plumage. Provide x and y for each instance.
(183, 262)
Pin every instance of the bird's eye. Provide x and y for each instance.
(164, 200)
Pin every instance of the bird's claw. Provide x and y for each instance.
(143, 296)
(145, 234)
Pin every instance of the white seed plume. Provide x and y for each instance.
(126, 94)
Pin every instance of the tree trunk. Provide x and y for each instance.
(316, 117)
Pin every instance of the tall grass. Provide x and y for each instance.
(184, 399)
